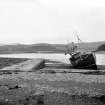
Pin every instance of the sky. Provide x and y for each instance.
(51, 21)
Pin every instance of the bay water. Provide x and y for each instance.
(100, 58)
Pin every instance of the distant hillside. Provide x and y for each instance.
(51, 48)
(34, 48)
(101, 48)
(91, 46)
(44, 48)
(87, 46)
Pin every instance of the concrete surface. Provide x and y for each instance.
(29, 65)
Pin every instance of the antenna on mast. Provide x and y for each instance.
(76, 34)
(79, 40)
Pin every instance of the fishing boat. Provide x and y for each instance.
(81, 59)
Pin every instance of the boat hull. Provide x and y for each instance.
(83, 61)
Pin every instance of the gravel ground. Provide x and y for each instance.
(52, 89)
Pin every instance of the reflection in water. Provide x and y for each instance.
(100, 58)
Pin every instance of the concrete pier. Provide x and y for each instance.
(29, 65)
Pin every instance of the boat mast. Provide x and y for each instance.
(78, 39)
(73, 48)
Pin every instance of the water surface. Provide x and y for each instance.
(100, 58)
